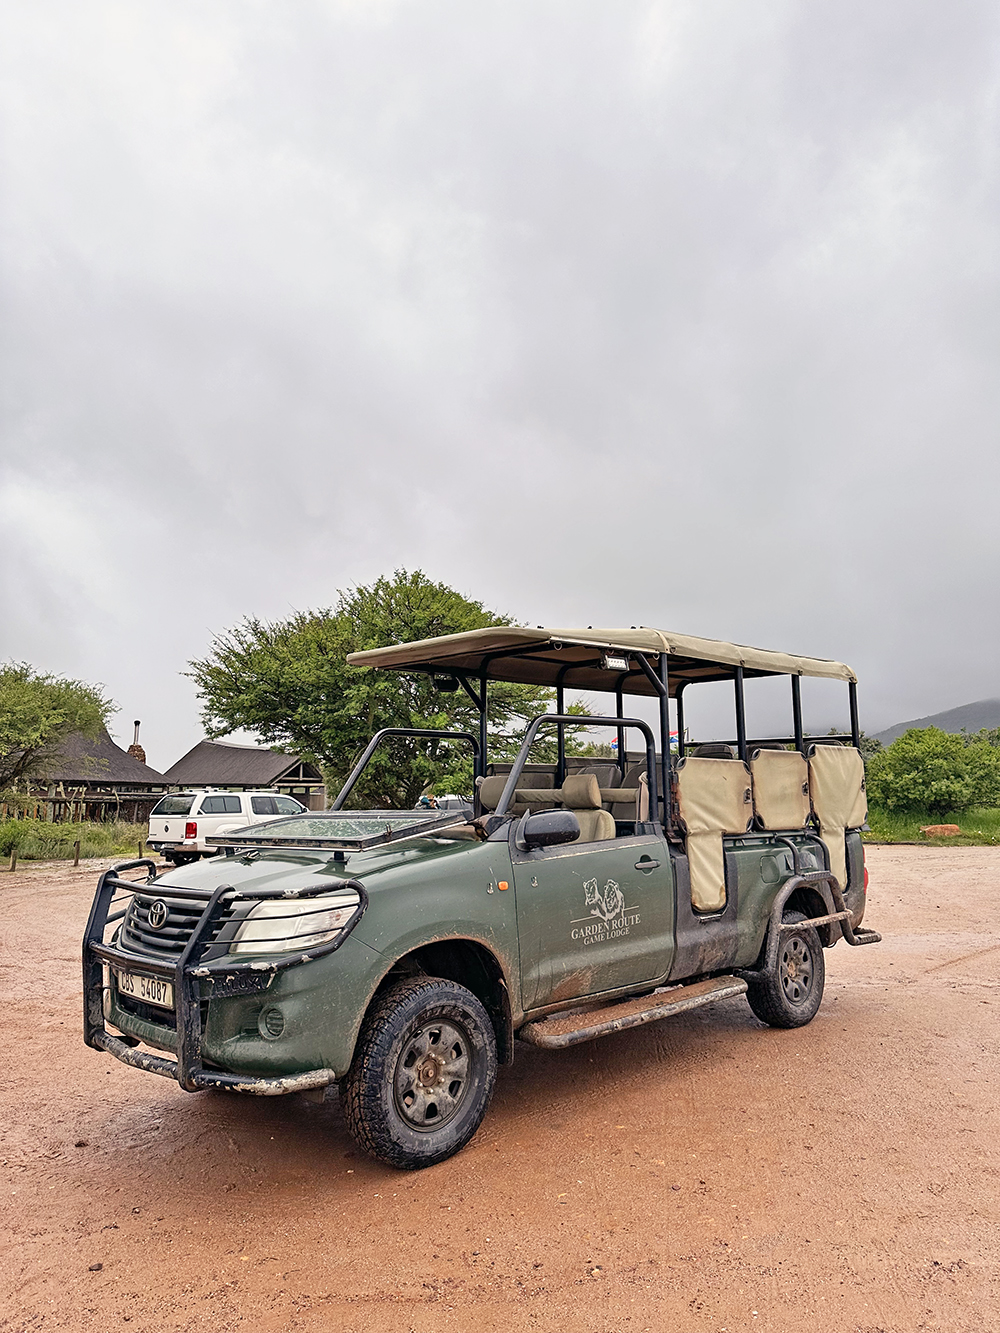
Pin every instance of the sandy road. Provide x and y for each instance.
(702, 1174)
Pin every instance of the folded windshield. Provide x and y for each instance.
(348, 829)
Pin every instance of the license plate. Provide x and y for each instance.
(151, 990)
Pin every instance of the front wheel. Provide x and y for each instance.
(789, 996)
(422, 1074)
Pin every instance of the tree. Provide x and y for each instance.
(289, 684)
(927, 769)
(37, 713)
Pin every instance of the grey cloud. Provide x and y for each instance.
(674, 314)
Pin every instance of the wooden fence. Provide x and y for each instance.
(89, 807)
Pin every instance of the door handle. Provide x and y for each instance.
(647, 864)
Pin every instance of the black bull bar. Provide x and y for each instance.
(193, 980)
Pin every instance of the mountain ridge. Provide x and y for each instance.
(967, 717)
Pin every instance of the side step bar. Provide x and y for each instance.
(561, 1030)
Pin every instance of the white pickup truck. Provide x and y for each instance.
(181, 822)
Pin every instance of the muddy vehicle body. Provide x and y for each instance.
(400, 953)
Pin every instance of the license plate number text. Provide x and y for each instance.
(151, 990)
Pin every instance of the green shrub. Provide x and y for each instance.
(979, 827)
(38, 840)
(935, 772)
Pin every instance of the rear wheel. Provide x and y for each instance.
(789, 996)
(422, 1074)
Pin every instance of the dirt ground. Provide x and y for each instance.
(701, 1174)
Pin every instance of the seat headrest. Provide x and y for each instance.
(490, 791)
(714, 750)
(581, 791)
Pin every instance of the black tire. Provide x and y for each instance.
(789, 996)
(422, 1074)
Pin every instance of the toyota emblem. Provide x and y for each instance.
(158, 913)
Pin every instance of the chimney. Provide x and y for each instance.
(135, 749)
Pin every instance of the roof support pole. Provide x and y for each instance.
(661, 684)
(479, 769)
(741, 721)
(665, 738)
(680, 718)
(800, 743)
(620, 712)
(560, 729)
(852, 693)
(483, 731)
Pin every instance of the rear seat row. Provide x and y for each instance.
(779, 790)
(537, 790)
(580, 793)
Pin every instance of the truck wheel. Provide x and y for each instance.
(789, 996)
(422, 1075)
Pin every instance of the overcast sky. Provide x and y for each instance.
(674, 314)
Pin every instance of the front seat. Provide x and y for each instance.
(581, 793)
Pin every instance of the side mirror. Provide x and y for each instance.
(547, 828)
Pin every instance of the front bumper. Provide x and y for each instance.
(211, 1078)
(194, 982)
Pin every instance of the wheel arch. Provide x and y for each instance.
(471, 964)
(812, 900)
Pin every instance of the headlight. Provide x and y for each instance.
(284, 924)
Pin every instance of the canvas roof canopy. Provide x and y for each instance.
(574, 658)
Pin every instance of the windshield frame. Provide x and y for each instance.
(397, 825)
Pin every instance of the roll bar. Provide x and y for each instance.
(379, 736)
(576, 720)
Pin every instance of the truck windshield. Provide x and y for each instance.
(178, 804)
(351, 829)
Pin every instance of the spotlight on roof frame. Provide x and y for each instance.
(447, 684)
(614, 662)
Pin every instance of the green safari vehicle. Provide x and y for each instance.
(399, 953)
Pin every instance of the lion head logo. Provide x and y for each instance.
(608, 904)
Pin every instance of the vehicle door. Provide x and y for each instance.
(219, 813)
(593, 917)
(261, 809)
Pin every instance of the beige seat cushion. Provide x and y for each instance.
(538, 798)
(582, 795)
(622, 800)
(780, 788)
(490, 791)
(714, 797)
(837, 785)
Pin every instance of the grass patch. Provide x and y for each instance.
(38, 840)
(980, 828)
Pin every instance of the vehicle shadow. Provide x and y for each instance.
(213, 1144)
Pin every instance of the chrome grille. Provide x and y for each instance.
(170, 939)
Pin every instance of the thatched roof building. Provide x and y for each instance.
(97, 779)
(241, 767)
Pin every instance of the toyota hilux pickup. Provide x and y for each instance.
(402, 954)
